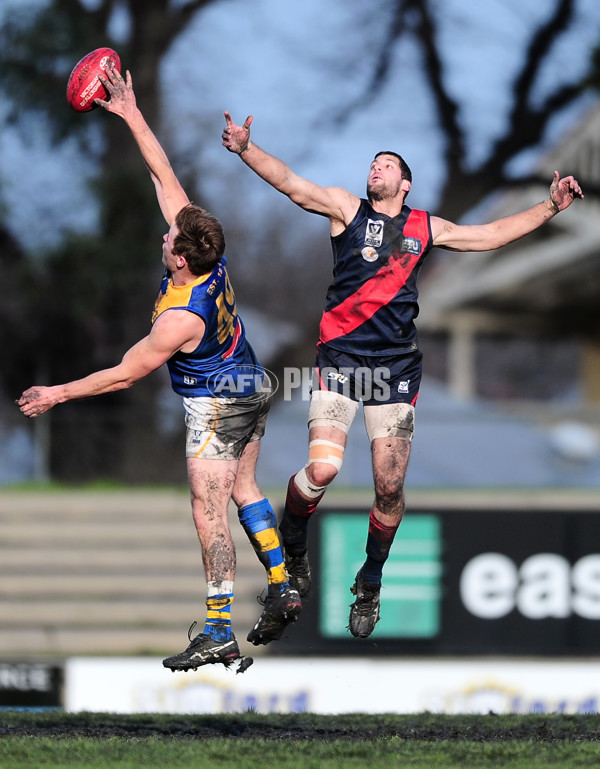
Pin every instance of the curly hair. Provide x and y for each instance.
(200, 239)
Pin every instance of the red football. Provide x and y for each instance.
(84, 86)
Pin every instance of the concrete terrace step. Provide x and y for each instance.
(27, 560)
(171, 614)
(115, 586)
(109, 573)
(58, 533)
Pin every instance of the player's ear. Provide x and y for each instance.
(406, 185)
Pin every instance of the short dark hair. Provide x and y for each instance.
(406, 172)
(200, 239)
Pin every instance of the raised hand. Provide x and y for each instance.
(236, 138)
(564, 191)
(122, 97)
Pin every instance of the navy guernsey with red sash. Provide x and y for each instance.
(372, 303)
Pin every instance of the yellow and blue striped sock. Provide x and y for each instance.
(260, 524)
(219, 597)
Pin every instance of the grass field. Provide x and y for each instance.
(252, 741)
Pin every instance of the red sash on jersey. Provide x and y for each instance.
(378, 290)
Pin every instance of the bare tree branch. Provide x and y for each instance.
(414, 17)
(539, 47)
(383, 63)
(447, 107)
(528, 124)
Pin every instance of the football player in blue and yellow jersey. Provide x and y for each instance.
(197, 331)
(368, 349)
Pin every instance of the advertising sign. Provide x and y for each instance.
(30, 685)
(344, 685)
(459, 582)
(413, 591)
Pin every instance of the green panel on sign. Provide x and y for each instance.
(411, 592)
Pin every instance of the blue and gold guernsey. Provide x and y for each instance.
(372, 303)
(224, 363)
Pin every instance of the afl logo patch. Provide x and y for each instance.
(369, 254)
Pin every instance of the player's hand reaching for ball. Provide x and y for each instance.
(236, 138)
(122, 98)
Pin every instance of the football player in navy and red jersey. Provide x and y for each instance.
(197, 331)
(367, 349)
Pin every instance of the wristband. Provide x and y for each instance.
(552, 205)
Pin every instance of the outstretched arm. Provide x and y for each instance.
(486, 237)
(337, 204)
(171, 196)
(172, 331)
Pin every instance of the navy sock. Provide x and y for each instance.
(379, 541)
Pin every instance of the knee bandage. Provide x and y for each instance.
(306, 487)
(325, 451)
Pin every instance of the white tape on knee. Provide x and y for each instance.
(325, 451)
(306, 487)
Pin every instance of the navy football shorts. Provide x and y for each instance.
(372, 379)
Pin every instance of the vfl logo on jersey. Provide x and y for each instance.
(403, 386)
(411, 246)
(374, 233)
